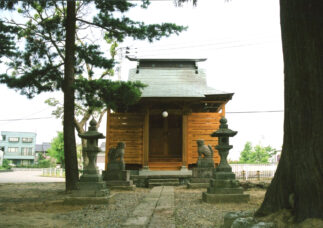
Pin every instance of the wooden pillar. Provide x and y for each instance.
(107, 139)
(146, 140)
(165, 136)
(223, 110)
(184, 141)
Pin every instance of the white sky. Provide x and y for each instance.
(241, 41)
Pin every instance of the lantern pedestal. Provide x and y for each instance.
(91, 183)
(224, 191)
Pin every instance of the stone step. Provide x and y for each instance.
(163, 182)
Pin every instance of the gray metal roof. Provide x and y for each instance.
(170, 81)
(42, 147)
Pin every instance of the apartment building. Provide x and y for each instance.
(18, 147)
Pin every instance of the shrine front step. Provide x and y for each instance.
(163, 182)
(121, 184)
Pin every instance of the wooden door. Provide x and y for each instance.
(165, 138)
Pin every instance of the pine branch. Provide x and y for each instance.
(51, 39)
(88, 68)
(93, 24)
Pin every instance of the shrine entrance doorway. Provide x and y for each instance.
(165, 138)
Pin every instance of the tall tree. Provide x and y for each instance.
(71, 170)
(297, 184)
(52, 26)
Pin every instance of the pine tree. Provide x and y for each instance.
(51, 58)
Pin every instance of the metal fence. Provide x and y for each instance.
(53, 172)
(254, 171)
(242, 171)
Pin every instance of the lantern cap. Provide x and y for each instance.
(224, 131)
(92, 133)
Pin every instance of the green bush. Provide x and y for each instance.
(43, 164)
(6, 164)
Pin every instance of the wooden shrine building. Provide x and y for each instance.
(176, 109)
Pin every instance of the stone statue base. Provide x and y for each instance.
(116, 165)
(224, 189)
(200, 177)
(92, 189)
(118, 179)
(205, 163)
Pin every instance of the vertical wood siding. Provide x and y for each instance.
(200, 126)
(128, 128)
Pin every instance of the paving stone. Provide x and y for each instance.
(136, 222)
(155, 210)
(160, 221)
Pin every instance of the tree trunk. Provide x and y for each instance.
(298, 182)
(69, 132)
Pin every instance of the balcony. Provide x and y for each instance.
(20, 155)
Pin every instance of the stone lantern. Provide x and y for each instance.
(223, 186)
(91, 187)
(223, 134)
(91, 172)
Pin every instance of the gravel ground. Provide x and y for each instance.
(40, 205)
(191, 211)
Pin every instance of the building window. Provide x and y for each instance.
(13, 139)
(13, 149)
(25, 162)
(27, 151)
(3, 137)
(27, 140)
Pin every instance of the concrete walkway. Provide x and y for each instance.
(156, 210)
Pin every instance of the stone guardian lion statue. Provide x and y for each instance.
(205, 155)
(115, 157)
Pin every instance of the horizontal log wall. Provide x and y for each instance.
(128, 128)
(200, 126)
